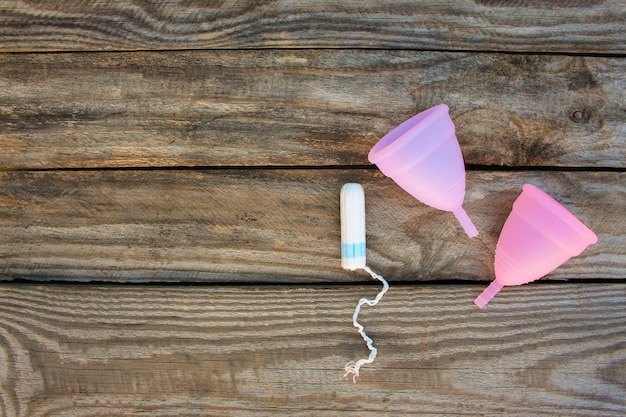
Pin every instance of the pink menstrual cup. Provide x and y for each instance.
(538, 236)
(423, 156)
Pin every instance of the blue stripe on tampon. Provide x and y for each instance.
(353, 250)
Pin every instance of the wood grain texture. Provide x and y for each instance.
(276, 104)
(572, 26)
(295, 108)
(199, 351)
(276, 225)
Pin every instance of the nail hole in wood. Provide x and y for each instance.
(579, 116)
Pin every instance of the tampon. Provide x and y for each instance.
(352, 200)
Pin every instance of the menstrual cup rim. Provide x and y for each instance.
(563, 213)
(399, 135)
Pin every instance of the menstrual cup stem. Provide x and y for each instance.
(488, 294)
(466, 222)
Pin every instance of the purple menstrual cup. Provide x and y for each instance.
(422, 155)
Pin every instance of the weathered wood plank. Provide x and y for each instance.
(275, 225)
(242, 108)
(572, 26)
(536, 350)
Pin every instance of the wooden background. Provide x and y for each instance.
(169, 207)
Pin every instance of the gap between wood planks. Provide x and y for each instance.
(471, 167)
(304, 285)
(296, 49)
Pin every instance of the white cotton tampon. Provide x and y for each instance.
(352, 201)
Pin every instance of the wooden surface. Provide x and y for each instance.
(169, 207)
(574, 26)
(188, 351)
(313, 107)
(275, 225)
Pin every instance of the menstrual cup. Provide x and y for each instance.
(538, 236)
(422, 155)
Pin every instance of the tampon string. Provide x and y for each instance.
(353, 367)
